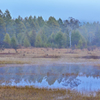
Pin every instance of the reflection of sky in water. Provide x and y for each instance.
(52, 76)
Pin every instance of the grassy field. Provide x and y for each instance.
(30, 93)
(48, 55)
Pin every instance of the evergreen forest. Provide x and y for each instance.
(34, 31)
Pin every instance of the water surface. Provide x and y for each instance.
(66, 76)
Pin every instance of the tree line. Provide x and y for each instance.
(37, 32)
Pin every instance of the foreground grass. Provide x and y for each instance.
(30, 93)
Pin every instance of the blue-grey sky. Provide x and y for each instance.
(84, 10)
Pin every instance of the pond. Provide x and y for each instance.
(63, 76)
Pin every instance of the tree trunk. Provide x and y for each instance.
(70, 38)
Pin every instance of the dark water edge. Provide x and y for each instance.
(55, 76)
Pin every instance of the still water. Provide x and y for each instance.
(66, 76)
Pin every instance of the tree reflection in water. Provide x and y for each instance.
(60, 76)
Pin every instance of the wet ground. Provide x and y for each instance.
(67, 76)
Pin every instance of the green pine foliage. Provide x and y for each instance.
(7, 38)
(60, 40)
(14, 42)
(38, 42)
(37, 32)
(26, 42)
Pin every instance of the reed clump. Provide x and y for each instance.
(12, 62)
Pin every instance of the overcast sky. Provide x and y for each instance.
(84, 10)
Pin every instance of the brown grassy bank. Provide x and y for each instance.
(48, 55)
(30, 93)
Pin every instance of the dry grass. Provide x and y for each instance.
(30, 93)
(12, 62)
(45, 55)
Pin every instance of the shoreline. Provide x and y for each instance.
(96, 64)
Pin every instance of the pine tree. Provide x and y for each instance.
(14, 43)
(7, 38)
(38, 42)
(26, 42)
